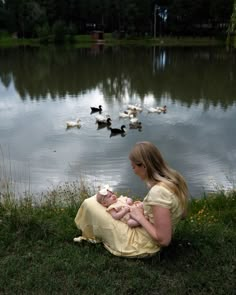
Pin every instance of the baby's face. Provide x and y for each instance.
(109, 199)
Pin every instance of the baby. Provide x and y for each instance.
(118, 207)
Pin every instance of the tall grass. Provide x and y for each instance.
(38, 255)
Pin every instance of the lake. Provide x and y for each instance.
(42, 88)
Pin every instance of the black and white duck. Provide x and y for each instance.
(163, 109)
(107, 122)
(101, 118)
(136, 125)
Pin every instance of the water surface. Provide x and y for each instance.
(42, 88)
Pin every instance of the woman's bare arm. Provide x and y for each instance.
(161, 230)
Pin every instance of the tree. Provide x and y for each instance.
(133, 16)
(232, 26)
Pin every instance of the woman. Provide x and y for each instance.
(166, 202)
(164, 205)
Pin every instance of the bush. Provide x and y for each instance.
(59, 32)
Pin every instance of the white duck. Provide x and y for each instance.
(128, 114)
(76, 123)
(101, 118)
(134, 107)
(133, 112)
(124, 115)
(154, 110)
(133, 120)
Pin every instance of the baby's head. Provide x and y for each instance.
(105, 196)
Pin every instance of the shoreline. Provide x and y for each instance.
(86, 41)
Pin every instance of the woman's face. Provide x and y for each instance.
(139, 170)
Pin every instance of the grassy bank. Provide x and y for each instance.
(14, 42)
(38, 255)
(165, 41)
(87, 41)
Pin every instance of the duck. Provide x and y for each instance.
(117, 130)
(137, 125)
(76, 123)
(132, 107)
(163, 109)
(124, 115)
(154, 110)
(101, 118)
(133, 112)
(104, 123)
(133, 119)
(94, 109)
(128, 114)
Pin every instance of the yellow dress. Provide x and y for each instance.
(97, 225)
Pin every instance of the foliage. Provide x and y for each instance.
(43, 32)
(135, 18)
(232, 27)
(59, 32)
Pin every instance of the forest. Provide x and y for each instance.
(40, 18)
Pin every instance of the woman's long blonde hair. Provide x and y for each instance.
(147, 154)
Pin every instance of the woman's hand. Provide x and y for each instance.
(137, 213)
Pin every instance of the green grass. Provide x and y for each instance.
(86, 41)
(164, 41)
(14, 42)
(38, 255)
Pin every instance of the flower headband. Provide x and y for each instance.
(103, 190)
